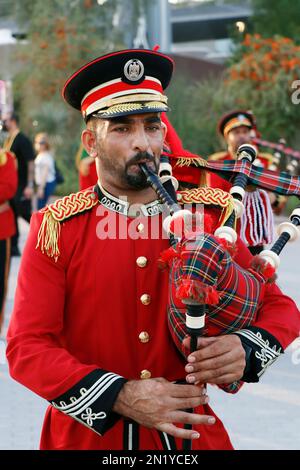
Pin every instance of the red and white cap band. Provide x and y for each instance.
(98, 97)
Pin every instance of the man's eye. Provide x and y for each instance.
(121, 129)
(153, 128)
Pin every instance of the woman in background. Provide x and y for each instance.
(44, 169)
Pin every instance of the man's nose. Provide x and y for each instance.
(140, 141)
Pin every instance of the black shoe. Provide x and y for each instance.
(15, 251)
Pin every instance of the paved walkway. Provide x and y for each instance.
(260, 416)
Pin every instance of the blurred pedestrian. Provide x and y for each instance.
(18, 143)
(44, 169)
(8, 188)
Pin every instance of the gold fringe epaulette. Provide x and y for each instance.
(266, 156)
(218, 156)
(59, 211)
(187, 161)
(3, 157)
(208, 196)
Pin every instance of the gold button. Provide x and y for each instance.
(93, 196)
(145, 374)
(140, 227)
(144, 337)
(141, 261)
(145, 299)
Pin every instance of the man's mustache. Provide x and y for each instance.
(141, 157)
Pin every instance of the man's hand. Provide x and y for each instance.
(28, 192)
(40, 192)
(218, 360)
(157, 403)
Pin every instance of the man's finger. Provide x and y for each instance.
(185, 391)
(234, 370)
(200, 341)
(214, 363)
(217, 348)
(191, 418)
(225, 379)
(180, 433)
(185, 403)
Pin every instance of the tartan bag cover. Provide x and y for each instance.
(202, 259)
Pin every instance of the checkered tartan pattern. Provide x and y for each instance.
(280, 183)
(240, 292)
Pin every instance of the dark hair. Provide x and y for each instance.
(14, 117)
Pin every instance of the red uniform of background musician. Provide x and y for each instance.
(256, 227)
(8, 188)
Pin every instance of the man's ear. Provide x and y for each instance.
(164, 129)
(88, 139)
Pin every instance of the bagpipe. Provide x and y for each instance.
(283, 156)
(194, 284)
(214, 293)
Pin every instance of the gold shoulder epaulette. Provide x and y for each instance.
(217, 156)
(3, 157)
(208, 196)
(266, 156)
(59, 211)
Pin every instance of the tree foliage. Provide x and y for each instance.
(263, 80)
(279, 17)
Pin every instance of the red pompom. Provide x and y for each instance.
(196, 290)
(166, 257)
(156, 47)
(228, 246)
(264, 268)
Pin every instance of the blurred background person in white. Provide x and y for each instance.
(44, 169)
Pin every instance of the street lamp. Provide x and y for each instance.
(241, 26)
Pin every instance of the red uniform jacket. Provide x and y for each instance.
(87, 175)
(97, 314)
(8, 188)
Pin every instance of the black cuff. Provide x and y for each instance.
(90, 401)
(261, 349)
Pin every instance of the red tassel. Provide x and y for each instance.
(230, 247)
(195, 290)
(166, 257)
(264, 268)
(212, 297)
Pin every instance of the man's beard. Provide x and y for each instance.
(138, 180)
(126, 177)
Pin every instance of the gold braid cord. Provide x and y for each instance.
(209, 196)
(59, 211)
